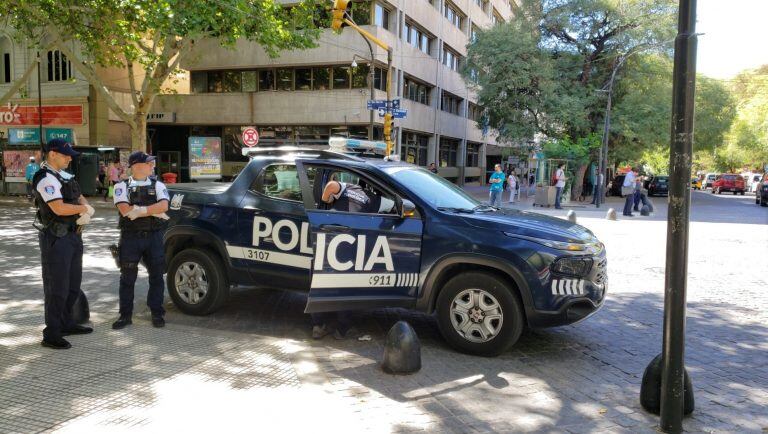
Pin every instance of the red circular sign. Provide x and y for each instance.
(250, 137)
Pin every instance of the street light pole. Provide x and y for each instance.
(39, 101)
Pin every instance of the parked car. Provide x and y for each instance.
(696, 183)
(615, 187)
(761, 195)
(658, 186)
(709, 180)
(729, 182)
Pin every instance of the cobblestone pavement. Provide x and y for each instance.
(253, 367)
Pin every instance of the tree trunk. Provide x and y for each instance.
(578, 182)
(139, 132)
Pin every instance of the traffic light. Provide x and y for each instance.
(339, 7)
(388, 126)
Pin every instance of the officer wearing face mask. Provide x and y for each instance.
(62, 211)
(142, 202)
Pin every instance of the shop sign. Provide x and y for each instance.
(23, 136)
(52, 115)
(59, 133)
(161, 118)
(15, 163)
(205, 157)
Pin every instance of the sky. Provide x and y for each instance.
(734, 36)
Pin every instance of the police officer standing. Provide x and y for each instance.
(142, 202)
(61, 213)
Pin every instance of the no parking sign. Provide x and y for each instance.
(250, 137)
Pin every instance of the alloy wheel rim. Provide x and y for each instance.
(476, 315)
(191, 282)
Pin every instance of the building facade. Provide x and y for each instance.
(303, 97)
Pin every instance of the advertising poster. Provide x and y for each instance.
(205, 157)
(15, 163)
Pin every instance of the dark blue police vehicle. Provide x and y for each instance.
(485, 272)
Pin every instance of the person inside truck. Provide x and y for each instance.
(355, 197)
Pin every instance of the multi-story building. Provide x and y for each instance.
(305, 96)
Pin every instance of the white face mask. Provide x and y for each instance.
(66, 175)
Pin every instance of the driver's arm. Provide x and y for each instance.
(332, 188)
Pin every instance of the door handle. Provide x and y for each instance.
(335, 227)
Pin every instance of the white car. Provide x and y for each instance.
(752, 182)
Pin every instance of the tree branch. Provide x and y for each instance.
(18, 83)
(132, 83)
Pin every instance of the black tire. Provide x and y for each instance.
(215, 275)
(762, 202)
(512, 316)
(741, 192)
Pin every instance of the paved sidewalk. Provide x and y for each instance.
(253, 367)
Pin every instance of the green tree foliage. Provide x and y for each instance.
(749, 133)
(147, 39)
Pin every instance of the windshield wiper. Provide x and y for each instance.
(454, 209)
(484, 207)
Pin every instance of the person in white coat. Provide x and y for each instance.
(512, 181)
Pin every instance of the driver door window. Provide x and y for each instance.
(358, 190)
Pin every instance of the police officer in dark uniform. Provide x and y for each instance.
(61, 213)
(142, 202)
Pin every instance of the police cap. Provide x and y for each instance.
(139, 157)
(62, 147)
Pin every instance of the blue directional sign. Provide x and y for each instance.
(374, 104)
(399, 113)
(395, 104)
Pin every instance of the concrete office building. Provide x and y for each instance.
(305, 96)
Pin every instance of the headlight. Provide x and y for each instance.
(591, 248)
(576, 266)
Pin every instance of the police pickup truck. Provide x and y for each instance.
(486, 273)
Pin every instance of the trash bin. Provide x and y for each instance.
(169, 178)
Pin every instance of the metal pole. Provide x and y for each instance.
(373, 77)
(673, 350)
(39, 100)
(389, 96)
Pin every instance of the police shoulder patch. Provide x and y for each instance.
(118, 191)
(49, 189)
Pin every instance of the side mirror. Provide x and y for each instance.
(407, 208)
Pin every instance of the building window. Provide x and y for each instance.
(341, 77)
(6, 75)
(361, 13)
(496, 18)
(414, 148)
(454, 16)
(360, 75)
(416, 37)
(448, 149)
(381, 16)
(284, 79)
(380, 79)
(473, 33)
(416, 91)
(266, 79)
(231, 137)
(474, 112)
(322, 78)
(59, 67)
(303, 78)
(450, 103)
(250, 81)
(482, 4)
(473, 155)
(199, 81)
(224, 81)
(450, 58)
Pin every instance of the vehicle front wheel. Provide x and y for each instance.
(478, 314)
(197, 281)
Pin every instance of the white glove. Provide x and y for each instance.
(162, 215)
(89, 210)
(136, 212)
(83, 220)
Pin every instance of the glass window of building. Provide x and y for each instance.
(360, 75)
(284, 79)
(361, 13)
(416, 91)
(450, 103)
(215, 84)
(414, 148)
(473, 155)
(381, 16)
(266, 79)
(474, 112)
(380, 79)
(454, 16)
(199, 81)
(448, 149)
(406, 31)
(59, 67)
(450, 58)
(232, 81)
(231, 136)
(496, 17)
(321, 79)
(341, 77)
(6, 70)
(303, 78)
(473, 33)
(250, 82)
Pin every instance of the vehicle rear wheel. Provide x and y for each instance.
(478, 314)
(197, 282)
(741, 192)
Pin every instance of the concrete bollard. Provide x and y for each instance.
(572, 216)
(611, 214)
(402, 350)
(645, 210)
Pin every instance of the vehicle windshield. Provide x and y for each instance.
(436, 190)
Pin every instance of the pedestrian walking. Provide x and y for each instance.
(638, 192)
(597, 189)
(142, 202)
(29, 173)
(628, 191)
(113, 172)
(61, 213)
(497, 186)
(513, 186)
(559, 184)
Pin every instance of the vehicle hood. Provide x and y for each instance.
(531, 224)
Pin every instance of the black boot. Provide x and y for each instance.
(158, 321)
(121, 322)
(56, 343)
(77, 330)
